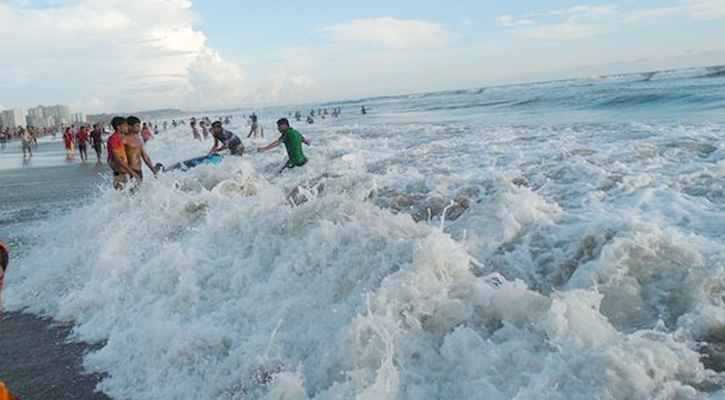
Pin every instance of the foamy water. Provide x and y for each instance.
(560, 240)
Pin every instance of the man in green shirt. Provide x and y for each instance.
(292, 142)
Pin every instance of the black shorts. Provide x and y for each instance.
(236, 147)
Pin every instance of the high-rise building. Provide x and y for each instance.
(59, 113)
(77, 118)
(38, 118)
(13, 118)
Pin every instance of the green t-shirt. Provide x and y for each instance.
(293, 142)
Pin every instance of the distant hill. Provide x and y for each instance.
(153, 115)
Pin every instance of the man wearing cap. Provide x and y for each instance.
(292, 142)
(227, 139)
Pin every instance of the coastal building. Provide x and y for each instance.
(13, 118)
(38, 118)
(77, 118)
(60, 114)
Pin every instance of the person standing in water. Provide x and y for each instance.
(117, 157)
(227, 139)
(97, 140)
(135, 151)
(82, 138)
(292, 142)
(27, 139)
(256, 127)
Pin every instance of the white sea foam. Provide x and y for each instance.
(577, 261)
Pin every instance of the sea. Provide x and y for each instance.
(551, 240)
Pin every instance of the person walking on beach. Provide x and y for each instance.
(68, 141)
(135, 151)
(292, 142)
(97, 140)
(117, 157)
(227, 139)
(27, 140)
(82, 139)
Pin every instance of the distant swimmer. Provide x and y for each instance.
(256, 127)
(227, 139)
(194, 131)
(363, 111)
(135, 151)
(293, 143)
(117, 157)
(146, 132)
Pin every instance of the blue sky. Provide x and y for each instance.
(132, 55)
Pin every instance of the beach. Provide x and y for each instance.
(554, 240)
(37, 358)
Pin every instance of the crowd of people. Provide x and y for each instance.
(126, 152)
(126, 156)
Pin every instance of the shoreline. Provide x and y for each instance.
(38, 361)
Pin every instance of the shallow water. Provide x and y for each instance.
(558, 240)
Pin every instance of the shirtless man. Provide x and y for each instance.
(27, 139)
(256, 127)
(134, 148)
(117, 158)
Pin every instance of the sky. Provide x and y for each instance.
(133, 55)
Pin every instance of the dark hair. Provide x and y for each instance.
(133, 120)
(282, 121)
(4, 257)
(216, 124)
(116, 121)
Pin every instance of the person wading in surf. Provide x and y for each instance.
(292, 142)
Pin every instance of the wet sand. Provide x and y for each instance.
(37, 360)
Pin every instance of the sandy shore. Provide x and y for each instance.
(36, 359)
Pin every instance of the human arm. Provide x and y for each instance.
(269, 146)
(214, 148)
(148, 162)
(118, 161)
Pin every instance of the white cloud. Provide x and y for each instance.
(114, 55)
(586, 11)
(563, 31)
(281, 85)
(390, 33)
(509, 21)
(215, 82)
(584, 21)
